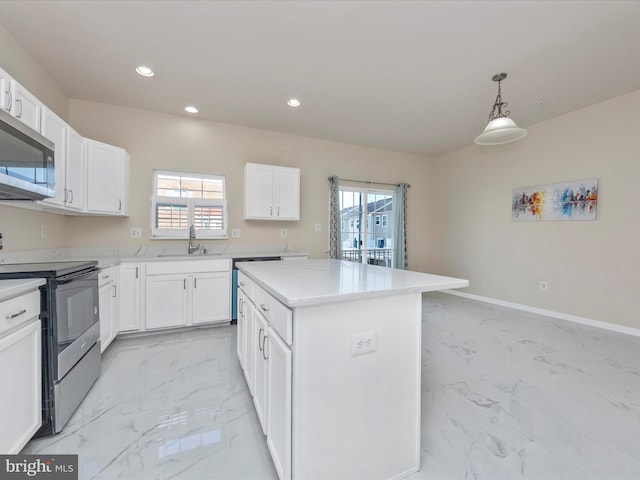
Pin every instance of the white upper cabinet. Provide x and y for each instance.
(69, 162)
(25, 106)
(271, 192)
(91, 178)
(19, 102)
(6, 96)
(55, 129)
(107, 178)
(76, 171)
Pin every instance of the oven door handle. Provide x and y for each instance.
(73, 277)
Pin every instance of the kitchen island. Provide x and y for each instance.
(331, 351)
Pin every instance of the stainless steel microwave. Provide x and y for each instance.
(26, 162)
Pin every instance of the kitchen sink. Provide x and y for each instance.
(186, 255)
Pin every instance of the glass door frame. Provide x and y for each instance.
(362, 248)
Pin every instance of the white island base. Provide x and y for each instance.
(341, 395)
(357, 416)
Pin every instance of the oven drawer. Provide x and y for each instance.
(17, 310)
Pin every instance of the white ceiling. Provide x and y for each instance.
(412, 76)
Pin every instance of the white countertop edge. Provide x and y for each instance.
(319, 300)
(284, 281)
(13, 288)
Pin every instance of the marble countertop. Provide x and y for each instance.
(13, 288)
(311, 282)
(111, 256)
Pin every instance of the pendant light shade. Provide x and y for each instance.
(500, 129)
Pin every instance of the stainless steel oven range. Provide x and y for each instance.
(70, 335)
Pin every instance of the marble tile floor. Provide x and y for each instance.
(505, 395)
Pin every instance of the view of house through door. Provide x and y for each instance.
(366, 219)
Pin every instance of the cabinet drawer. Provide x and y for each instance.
(16, 310)
(106, 276)
(246, 284)
(279, 316)
(190, 266)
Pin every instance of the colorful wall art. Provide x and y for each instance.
(559, 201)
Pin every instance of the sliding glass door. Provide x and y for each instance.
(366, 219)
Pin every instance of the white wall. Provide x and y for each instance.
(21, 228)
(593, 268)
(175, 142)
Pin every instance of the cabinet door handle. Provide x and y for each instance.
(10, 100)
(184, 284)
(113, 290)
(241, 284)
(71, 194)
(21, 312)
(136, 272)
(264, 308)
(66, 195)
(264, 347)
(19, 115)
(271, 211)
(260, 342)
(119, 204)
(241, 307)
(195, 282)
(278, 211)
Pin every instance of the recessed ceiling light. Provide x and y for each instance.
(293, 102)
(145, 71)
(190, 109)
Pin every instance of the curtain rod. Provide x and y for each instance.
(371, 183)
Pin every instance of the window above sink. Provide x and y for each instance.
(182, 199)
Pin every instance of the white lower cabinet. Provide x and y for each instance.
(211, 293)
(241, 346)
(267, 362)
(20, 371)
(166, 301)
(108, 289)
(278, 407)
(246, 342)
(181, 293)
(260, 373)
(130, 279)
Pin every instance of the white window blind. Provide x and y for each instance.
(180, 200)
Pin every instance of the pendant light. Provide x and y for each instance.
(500, 129)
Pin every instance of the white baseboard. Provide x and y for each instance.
(550, 313)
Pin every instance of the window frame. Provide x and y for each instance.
(191, 204)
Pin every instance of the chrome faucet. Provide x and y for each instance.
(192, 236)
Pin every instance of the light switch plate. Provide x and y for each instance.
(136, 232)
(235, 233)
